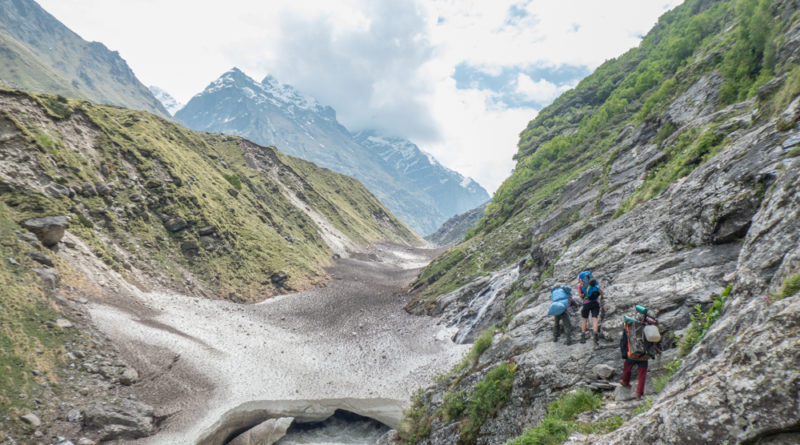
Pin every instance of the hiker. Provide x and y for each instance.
(641, 357)
(592, 298)
(560, 308)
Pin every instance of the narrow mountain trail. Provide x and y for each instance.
(348, 340)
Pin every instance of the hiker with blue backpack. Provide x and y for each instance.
(592, 296)
(560, 308)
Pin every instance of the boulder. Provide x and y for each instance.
(279, 278)
(57, 190)
(88, 190)
(30, 238)
(74, 416)
(32, 420)
(603, 371)
(190, 248)
(119, 420)
(41, 259)
(207, 230)
(265, 433)
(129, 376)
(233, 192)
(50, 277)
(49, 229)
(102, 189)
(63, 323)
(175, 224)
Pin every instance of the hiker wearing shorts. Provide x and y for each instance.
(592, 298)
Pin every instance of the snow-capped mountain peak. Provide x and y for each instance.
(166, 100)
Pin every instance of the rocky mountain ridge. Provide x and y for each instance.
(455, 229)
(40, 54)
(415, 187)
(670, 173)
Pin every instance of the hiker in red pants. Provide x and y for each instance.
(641, 366)
(641, 360)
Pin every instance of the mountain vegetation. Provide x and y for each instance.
(669, 172)
(581, 130)
(38, 53)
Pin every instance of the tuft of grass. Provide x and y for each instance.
(234, 181)
(789, 288)
(554, 429)
(643, 407)
(481, 344)
(606, 426)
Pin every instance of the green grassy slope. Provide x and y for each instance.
(23, 70)
(737, 40)
(28, 338)
(159, 172)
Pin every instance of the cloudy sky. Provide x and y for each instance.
(460, 78)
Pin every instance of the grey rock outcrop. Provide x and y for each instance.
(120, 419)
(49, 229)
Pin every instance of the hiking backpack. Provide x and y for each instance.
(585, 277)
(560, 296)
(639, 348)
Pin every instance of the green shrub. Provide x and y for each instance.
(488, 396)
(416, 424)
(701, 323)
(454, 404)
(234, 180)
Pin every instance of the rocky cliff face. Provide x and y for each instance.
(40, 54)
(416, 188)
(687, 205)
(455, 229)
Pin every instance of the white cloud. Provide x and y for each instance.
(540, 90)
(384, 63)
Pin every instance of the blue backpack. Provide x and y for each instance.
(585, 277)
(560, 296)
(593, 292)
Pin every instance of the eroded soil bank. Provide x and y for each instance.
(350, 339)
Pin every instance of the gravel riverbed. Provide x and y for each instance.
(348, 339)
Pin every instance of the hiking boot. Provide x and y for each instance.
(625, 385)
(583, 337)
(596, 337)
(638, 398)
